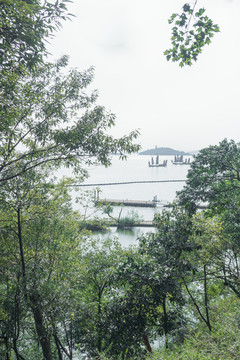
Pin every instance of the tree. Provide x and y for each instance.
(134, 306)
(213, 178)
(207, 252)
(91, 326)
(45, 115)
(25, 26)
(228, 262)
(41, 244)
(185, 252)
(165, 250)
(121, 303)
(48, 118)
(148, 297)
(188, 39)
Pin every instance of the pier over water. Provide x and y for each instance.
(136, 203)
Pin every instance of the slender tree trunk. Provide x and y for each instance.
(20, 240)
(165, 322)
(18, 356)
(23, 270)
(58, 348)
(17, 314)
(196, 305)
(71, 342)
(6, 342)
(16, 323)
(236, 262)
(41, 330)
(147, 343)
(37, 314)
(99, 335)
(69, 339)
(206, 298)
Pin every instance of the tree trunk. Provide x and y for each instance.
(147, 343)
(196, 306)
(206, 298)
(18, 356)
(38, 318)
(41, 330)
(58, 348)
(21, 244)
(6, 342)
(99, 328)
(165, 322)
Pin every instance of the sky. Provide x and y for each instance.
(186, 108)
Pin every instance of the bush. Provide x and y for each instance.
(95, 224)
(129, 221)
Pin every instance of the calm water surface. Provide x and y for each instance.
(136, 169)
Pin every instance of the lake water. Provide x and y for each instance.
(136, 169)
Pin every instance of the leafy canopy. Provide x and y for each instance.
(192, 30)
(214, 177)
(48, 117)
(25, 26)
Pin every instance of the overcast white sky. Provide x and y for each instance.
(185, 109)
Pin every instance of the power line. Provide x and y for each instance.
(131, 182)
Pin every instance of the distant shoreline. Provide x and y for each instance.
(163, 151)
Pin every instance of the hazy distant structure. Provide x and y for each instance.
(162, 151)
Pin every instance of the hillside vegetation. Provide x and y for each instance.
(162, 151)
(66, 295)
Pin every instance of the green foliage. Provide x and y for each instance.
(41, 242)
(36, 127)
(108, 210)
(62, 291)
(46, 114)
(223, 343)
(47, 119)
(95, 224)
(106, 299)
(91, 326)
(213, 178)
(189, 39)
(207, 240)
(24, 28)
(127, 222)
(131, 308)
